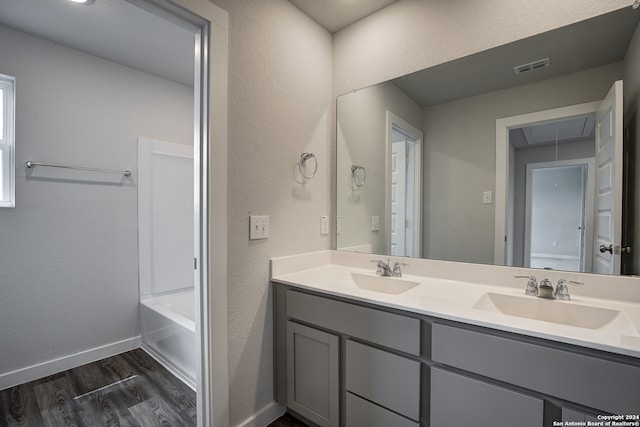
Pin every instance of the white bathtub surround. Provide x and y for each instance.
(461, 292)
(165, 216)
(166, 254)
(168, 333)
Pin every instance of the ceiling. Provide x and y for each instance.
(334, 15)
(111, 29)
(586, 44)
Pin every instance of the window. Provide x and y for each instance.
(7, 136)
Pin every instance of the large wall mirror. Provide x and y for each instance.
(496, 158)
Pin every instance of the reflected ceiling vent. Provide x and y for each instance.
(531, 66)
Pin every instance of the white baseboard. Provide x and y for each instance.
(50, 367)
(265, 416)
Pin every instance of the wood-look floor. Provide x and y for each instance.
(287, 420)
(130, 389)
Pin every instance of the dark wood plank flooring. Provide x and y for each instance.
(287, 420)
(130, 389)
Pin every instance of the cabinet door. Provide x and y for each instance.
(457, 401)
(313, 374)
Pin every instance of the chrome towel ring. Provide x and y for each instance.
(359, 175)
(302, 165)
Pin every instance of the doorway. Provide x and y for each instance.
(404, 188)
(607, 154)
(556, 210)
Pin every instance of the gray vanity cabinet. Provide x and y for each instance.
(606, 383)
(313, 374)
(347, 364)
(457, 400)
(355, 364)
(389, 380)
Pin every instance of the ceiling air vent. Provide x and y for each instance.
(531, 66)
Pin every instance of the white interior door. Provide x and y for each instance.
(398, 197)
(608, 203)
(555, 240)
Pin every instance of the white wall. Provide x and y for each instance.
(632, 112)
(362, 132)
(68, 259)
(280, 105)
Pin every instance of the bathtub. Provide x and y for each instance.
(168, 332)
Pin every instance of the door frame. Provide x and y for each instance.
(503, 237)
(210, 24)
(588, 206)
(395, 120)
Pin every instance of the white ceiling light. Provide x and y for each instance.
(85, 2)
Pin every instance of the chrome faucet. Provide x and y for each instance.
(397, 271)
(562, 290)
(546, 289)
(383, 267)
(532, 285)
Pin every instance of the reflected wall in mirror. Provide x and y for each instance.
(465, 197)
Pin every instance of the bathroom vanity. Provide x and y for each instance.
(356, 349)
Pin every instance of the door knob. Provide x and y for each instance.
(604, 249)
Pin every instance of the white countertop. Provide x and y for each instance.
(459, 300)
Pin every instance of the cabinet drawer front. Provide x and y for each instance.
(460, 401)
(361, 413)
(588, 381)
(390, 330)
(387, 379)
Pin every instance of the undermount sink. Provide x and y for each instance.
(385, 285)
(548, 310)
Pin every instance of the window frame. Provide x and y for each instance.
(7, 141)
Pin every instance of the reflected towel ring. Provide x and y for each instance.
(302, 164)
(358, 178)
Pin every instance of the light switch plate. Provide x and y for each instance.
(324, 224)
(258, 227)
(375, 223)
(338, 224)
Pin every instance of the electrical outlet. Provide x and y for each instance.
(258, 227)
(375, 223)
(487, 197)
(324, 224)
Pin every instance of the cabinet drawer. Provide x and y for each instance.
(387, 379)
(390, 330)
(585, 380)
(460, 401)
(361, 413)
